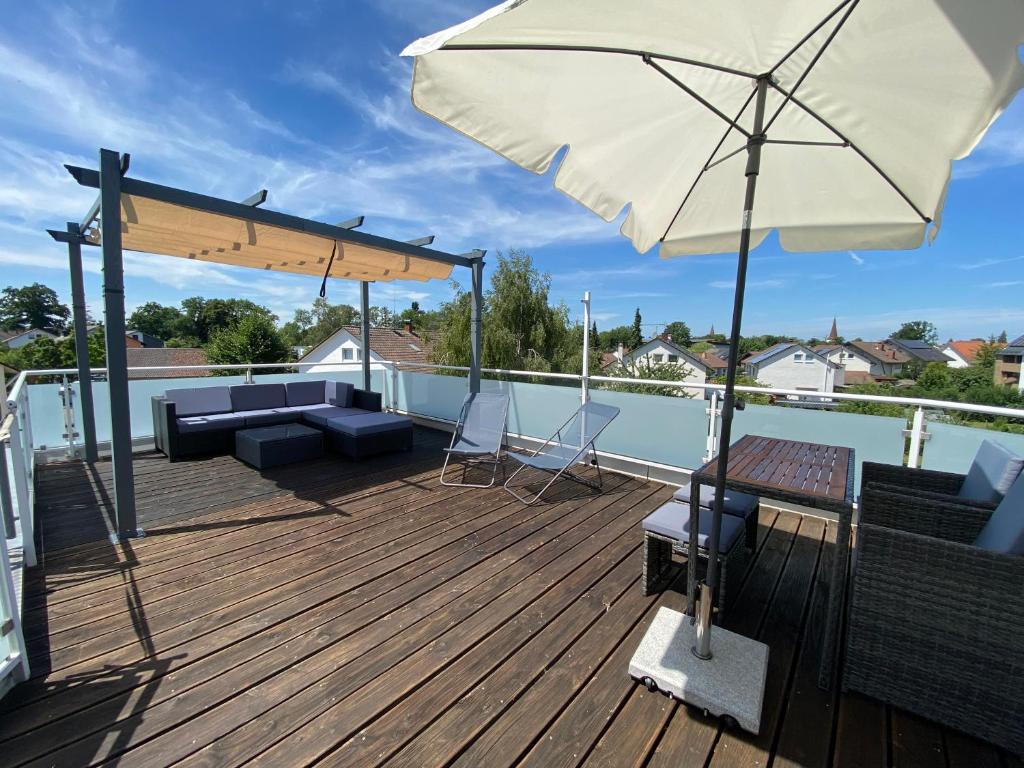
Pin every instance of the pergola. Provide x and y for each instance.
(135, 215)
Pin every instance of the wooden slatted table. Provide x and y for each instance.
(813, 475)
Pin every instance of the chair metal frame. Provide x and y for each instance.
(475, 459)
(564, 470)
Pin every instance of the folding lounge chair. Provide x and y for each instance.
(570, 443)
(479, 435)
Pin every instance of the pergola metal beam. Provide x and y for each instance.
(109, 181)
(421, 240)
(364, 323)
(90, 178)
(256, 199)
(354, 223)
(81, 340)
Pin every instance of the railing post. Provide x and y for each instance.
(21, 489)
(916, 438)
(711, 448)
(394, 387)
(68, 404)
(585, 376)
(6, 502)
(248, 375)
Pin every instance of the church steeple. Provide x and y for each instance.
(833, 334)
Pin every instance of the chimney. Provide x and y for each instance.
(407, 326)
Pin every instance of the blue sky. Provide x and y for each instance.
(312, 103)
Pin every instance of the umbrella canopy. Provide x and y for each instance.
(641, 93)
(845, 119)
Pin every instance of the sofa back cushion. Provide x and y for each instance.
(992, 472)
(200, 401)
(305, 392)
(1004, 531)
(339, 393)
(257, 397)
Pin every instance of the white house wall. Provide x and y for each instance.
(785, 372)
(330, 356)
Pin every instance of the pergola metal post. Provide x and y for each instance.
(81, 340)
(585, 374)
(475, 323)
(117, 356)
(754, 143)
(364, 321)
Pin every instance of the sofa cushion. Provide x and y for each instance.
(305, 392)
(992, 473)
(257, 397)
(320, 416)
(199, 401)
(339, 393)
(368, 423)
(672, 520)
(734, 503)
(1004, 531)
(271, 416)
(209, 423)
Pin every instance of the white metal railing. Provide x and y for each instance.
(13, 659)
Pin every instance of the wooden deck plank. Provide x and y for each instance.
(362, 614)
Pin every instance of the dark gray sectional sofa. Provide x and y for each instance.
(204, 420)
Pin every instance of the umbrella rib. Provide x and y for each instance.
(700, 99)
(595, 49)
(711, 157)
(809, 35)
(839, 134)
(810, 65)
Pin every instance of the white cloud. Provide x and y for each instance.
(984, 263)
(1006, 283)
(859, 261)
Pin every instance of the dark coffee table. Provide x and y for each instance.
(264, 447)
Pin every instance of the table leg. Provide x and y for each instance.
(830, 638)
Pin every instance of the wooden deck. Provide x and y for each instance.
(339, 614)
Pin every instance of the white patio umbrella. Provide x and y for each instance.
(846, 116)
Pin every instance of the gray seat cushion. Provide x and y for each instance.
(367, 423)
(257, 397)
(339, 393)
(199, 401)
(1004, 531)
(320, 416)
(672, 520)
(992, 472)
(271, 416)
(210, 422)
(305, 392)
(735, 503)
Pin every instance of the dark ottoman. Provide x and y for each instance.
(264, 447)
(367, 434)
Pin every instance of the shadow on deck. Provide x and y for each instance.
(363, 614)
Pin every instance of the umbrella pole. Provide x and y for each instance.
(702, 646)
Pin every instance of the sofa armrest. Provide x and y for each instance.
(368, 401)
(922, 513)
(165, 425)
(918, 479)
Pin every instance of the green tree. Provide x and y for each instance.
(918, 330)
(381, 317)
(595, 336)
(157, 320)
(252, 339)
(611, 338)
(202, 318)
(748, 397)
(1002, 338)
(636, 336)
(32, 306)
(643, 369)
(758, 343)
(679, 332)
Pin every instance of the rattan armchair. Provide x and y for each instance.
(914, 480)
(936, 624)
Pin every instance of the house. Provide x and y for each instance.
(863, 362)
(716, 365)
(879, 358)
(175, 358)
(789, 365)
(1007, 368)
(344, 348)
(661, 350)
(918, 351)
(144, 339)
(16, 339)
(961, 354)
